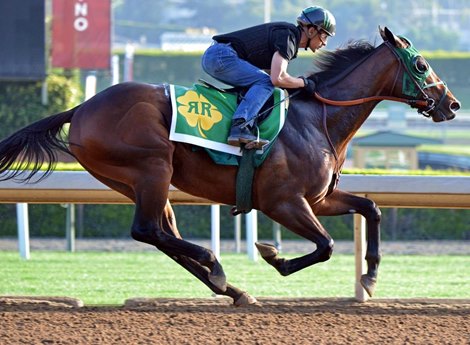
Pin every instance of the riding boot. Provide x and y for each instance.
(241, 133)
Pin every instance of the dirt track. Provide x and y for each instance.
(215, 321)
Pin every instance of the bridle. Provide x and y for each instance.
(424, 106)
(431, 103)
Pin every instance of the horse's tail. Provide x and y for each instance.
(33, 146)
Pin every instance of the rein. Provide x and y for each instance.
(414, 103)
(427, 102)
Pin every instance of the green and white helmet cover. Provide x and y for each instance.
(319, 17)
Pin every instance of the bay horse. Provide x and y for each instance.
(121, 137)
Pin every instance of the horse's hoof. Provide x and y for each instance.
(368, 284)
(244, 300)
(267, 251)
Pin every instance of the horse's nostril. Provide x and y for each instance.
(455, 106)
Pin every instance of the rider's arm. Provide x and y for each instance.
(279, 75)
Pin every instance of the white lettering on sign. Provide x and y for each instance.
(81, 11)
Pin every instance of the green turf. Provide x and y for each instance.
(111, 278)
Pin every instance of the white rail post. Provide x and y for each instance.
(70, 227)
(23, 229)
(359, 253)
(277, 236)
(129, 63)
(90, 85)
(115, 69)
(215, 230)
(237, 224)
(252, 235)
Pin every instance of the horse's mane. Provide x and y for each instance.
(331, 64)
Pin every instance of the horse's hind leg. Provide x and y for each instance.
(151, 197)
(168, 224)
(240, 297)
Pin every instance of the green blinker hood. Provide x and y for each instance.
(408, 56)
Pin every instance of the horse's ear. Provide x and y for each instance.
(382, 33)
(389, 36)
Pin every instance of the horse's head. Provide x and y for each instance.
(419, 81)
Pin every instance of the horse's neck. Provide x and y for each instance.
(343, 123)
(369, 79)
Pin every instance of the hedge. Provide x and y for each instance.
(20, 102)
(114, 221)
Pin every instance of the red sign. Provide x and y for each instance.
(81, 33)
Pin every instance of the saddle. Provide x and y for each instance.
(240, 93)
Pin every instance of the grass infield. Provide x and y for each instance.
(112, 277)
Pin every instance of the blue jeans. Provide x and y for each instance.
(221, 61)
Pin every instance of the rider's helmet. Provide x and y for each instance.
(318, 17)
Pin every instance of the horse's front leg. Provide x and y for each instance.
(340, 203)
(151, 195)
(296, 215)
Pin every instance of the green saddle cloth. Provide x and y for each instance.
(202, 116)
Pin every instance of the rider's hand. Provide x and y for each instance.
(309, 85)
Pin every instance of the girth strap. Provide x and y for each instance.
(244, 182)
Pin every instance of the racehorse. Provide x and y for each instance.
(121, 137)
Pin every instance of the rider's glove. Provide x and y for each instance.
(309, 85)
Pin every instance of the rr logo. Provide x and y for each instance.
(198, 111)
(199, 108)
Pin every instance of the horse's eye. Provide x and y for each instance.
(420, 64)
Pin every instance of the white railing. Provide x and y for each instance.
(387, 191)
